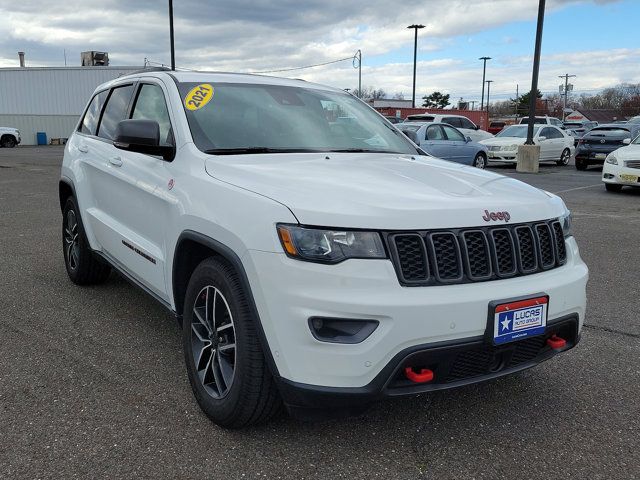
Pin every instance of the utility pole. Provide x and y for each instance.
(416, 27)
(517, 99)
(173, 50)
(489, 82)
(536, 70)
(566, 77)
(358, 56)
(484, 71)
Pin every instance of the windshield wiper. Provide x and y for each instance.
(359, 150)
(241, 150)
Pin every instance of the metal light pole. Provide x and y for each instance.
(534, 76)
(415, 56)
(484, 71)
(566, 77)
(173, 50)
(489, 82)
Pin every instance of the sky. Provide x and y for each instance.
(592, 39)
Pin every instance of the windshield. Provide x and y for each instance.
(413, 128)
(517, 131)
(574, 125)
(227, 118)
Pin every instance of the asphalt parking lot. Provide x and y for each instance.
(92, 382)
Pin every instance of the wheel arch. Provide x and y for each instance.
(65, 190)
(191, 249)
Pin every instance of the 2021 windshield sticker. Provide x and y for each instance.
(198, 97)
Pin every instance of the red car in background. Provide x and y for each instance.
(496, 127)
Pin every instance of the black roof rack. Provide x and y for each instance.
(150, 69)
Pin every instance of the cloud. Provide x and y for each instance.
(257, 35)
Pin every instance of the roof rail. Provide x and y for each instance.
(150, 69)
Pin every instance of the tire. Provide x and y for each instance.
(236, 389)
(8, 141)
(612, 187)
(581, 164)
(480, 161)
(564, 157)
(83, 267)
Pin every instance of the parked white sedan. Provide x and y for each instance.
(622, 167)
(555, 144)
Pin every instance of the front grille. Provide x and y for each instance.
(476, 254)
(633, 164)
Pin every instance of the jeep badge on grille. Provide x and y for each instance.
(488, 216)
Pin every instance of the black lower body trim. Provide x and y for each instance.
(454, 364)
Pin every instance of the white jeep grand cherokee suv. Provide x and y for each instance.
(313, 255)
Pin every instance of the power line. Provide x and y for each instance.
(306, 66)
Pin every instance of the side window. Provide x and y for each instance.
(151, 105)
(547, 133)
(453, 121)
(434, 132)
(92, 115)
(466, 123)
(114, 111)
(453, 134)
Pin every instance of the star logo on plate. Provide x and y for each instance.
(505, 324)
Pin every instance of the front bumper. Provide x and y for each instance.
(454, 364)
(288, 292)
(502, 156)
(620, 174)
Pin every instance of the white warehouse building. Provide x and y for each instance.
(49, 99)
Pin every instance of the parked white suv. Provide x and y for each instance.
(321, 271)
(9, 137)
(462, 123)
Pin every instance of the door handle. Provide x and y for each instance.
(83, 148)
(115, 161)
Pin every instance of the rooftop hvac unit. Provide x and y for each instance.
(94, 59)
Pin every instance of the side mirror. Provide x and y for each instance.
(542, 138)
(467, 139)
(142, 136)
(411, 135)
(627, 141)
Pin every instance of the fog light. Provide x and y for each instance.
(341, 330)
(608, 175)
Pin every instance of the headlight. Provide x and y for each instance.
(329, 246)
(566, 222)
(611, 158)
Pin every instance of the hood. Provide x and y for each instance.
(383, 191)
(502, 141)
(629, 152)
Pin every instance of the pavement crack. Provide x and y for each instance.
(612, 330)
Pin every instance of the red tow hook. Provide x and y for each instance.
(424, 376)
(556, 342)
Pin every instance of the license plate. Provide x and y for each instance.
(520, 319)
(600, 156)
(628, 178)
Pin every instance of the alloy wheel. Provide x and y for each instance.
(72, 248)
(566, 155)
(213, 341)
(480, 161)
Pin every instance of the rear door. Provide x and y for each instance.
(546, 145)
(136, 200)
(436, 142)
(95, 153)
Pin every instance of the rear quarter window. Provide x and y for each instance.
(91, 117)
